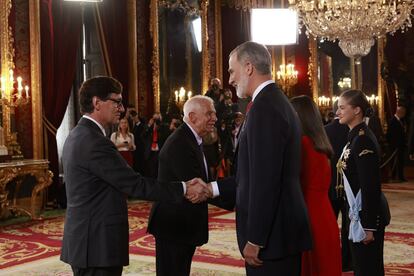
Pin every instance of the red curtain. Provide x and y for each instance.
(112, 22)
(60, 24)
(301, 64)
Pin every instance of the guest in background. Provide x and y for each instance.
(397, 140)
(360, 167)
(215, 92)
(374, 124)
(338, 137)
(138, 132)
(325, 257)
(155, 135)
(124, 141)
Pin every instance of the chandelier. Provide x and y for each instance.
(355, 23)
(245, 5)
(287, 77)
(187, 7)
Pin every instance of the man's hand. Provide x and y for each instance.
(251, 253)
(197, 190)
(369, 237)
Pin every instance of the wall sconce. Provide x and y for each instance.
(181, 96)
(12, 96)
(287, 77)
(324, 101)
(344, 83)
(373, 100)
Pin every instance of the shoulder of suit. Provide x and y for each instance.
(363, 145)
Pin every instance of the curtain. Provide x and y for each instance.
(60, 24)
(301, 64)
(112, 23)
(236, 30)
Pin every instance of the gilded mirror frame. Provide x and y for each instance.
(155, 60)
(313, 73)
(6, 56)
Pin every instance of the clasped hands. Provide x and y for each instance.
(198, 191)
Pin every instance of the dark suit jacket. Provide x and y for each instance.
(270, 209)
(396, 134)
(338, 136)
(98, 181)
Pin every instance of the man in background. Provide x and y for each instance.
(396, 136)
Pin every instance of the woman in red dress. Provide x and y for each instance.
(325, 257)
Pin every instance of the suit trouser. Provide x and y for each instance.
(340, 205)
(368, 259)
(172, 258)
(287, 266)
(98, 271)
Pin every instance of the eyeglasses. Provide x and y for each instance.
(118, 102)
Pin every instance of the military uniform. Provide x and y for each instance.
(360, 162)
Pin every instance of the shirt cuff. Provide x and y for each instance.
(184, 187)
(215, 189)
(254, 244)
(367, 229)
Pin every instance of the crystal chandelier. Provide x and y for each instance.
(245, 4)
(355, 23)
(287, 77)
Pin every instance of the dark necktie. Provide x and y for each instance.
(204, 159)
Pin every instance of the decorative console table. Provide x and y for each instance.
(18, 171)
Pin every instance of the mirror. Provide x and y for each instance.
(179, 60)
(331, 73)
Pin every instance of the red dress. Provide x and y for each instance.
(325, 257)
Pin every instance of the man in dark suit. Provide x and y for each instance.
(95, 239)
(179, 228)
(396, 138)
(138, 131)
(271, 217)
(338, 137)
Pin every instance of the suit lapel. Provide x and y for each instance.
(197, 150)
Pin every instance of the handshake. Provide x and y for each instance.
(198, 191)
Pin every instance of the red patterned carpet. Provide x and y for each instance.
(32, 248)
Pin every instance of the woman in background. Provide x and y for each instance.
(325, 257)
(124, 141)
(360, 167)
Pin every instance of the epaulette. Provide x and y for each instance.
(361, 132)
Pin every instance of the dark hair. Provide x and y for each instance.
(257, 54)
(133, 113)
(101, 87)
(357, 98)
(311, 122)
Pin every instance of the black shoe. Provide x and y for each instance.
(402, 180)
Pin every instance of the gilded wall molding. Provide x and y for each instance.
(313, 67)
(380, 80)
(218, 39)
(35, 76)
(205, 55)
(133, 55)
(155, 55)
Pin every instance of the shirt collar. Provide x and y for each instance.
(198, 138)
(260, 87)
(96, 122)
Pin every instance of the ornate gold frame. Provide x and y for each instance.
(155, 50)
(36, 79)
